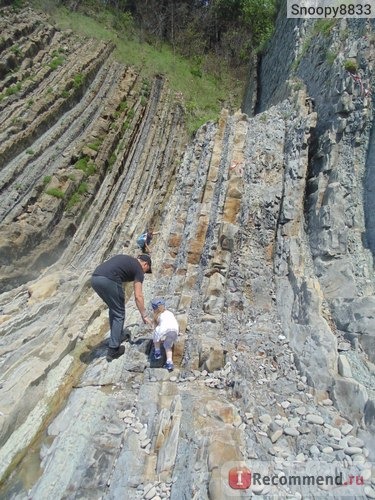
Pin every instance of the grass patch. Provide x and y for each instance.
(76, 196)
(324, 26)
(95, 145)
(56, 62)
(47, 179)
(351, 66)
(86, 165)
(78, 80)
(57, 193)
(204, 94)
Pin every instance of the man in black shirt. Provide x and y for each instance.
(107, 281)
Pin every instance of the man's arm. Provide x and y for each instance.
(140, 303)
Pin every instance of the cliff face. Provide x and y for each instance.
(337, 232)
(264, 253)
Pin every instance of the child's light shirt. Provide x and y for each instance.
(166, 322)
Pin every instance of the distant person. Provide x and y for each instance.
(107, 281)
(166, 331)
(145, 239)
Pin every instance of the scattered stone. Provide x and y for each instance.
(276, 435)
(346, 428)
(314, 419)
(352, 450)
(369, 492)
(327, 449)
(266, 419)
(327, 402)
(291, 431)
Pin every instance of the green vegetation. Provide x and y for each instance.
(95, 145)
(123, 106)
(112, 160)
(204, 95)
(13, 89)
(324, 26)
(202, 48)
(76, 196)
(56, 62)
(73, 200)
(351, 66)
(86, 165)
(30, 151)
(16, 50)
(78, 80)
(57, 193)
(47, 179)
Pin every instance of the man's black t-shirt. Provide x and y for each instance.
(121, 268)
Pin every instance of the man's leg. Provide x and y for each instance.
(112, 294)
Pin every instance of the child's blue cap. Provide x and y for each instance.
(155, 303)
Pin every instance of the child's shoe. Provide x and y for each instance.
(169, 366)
(157, 354)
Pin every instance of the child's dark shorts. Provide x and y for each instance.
(170, 338)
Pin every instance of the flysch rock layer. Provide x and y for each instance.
(271, 285)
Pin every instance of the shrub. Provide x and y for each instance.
(47, 179)
(56, 62)
(82, 188)
(351, 66)
(86, 165)
(78, 80)
(73, 200)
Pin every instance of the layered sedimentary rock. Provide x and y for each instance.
(269, 284)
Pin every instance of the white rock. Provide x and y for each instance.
(369, 492)
(314, 419)
(276, 435)
(353, 450)
(336, 433)
(265, 418)
(291, 431)
(327, 449)
(327, 402)
(346, 428)
(354, 441)
(151, 493)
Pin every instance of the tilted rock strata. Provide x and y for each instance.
(262, 370)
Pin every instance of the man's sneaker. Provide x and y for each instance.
(169, 366)
(157, 355)
(114, 353)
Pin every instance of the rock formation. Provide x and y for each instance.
(264, 252)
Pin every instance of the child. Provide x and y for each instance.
(166, 331)
(145, 239)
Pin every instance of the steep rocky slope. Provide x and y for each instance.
(261, 254)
